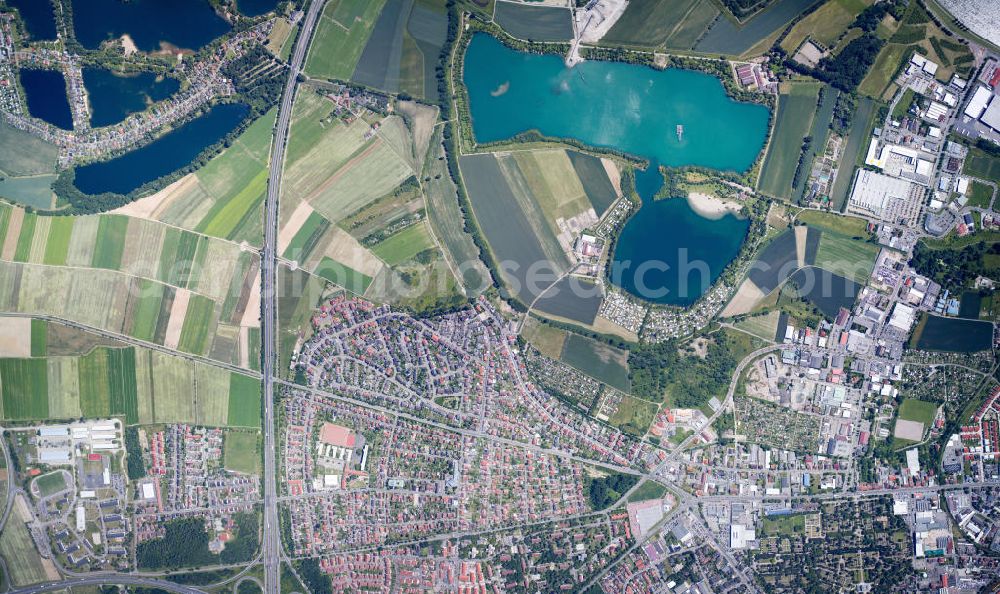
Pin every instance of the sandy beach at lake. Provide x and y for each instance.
(711, 207)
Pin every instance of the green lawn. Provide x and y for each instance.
(242, 452)
(598, 360)
(402, 246)
(111, 232)
(838, 223)
(789, 525)
(244, 401)
(648, 490)
(794, 119)
(51, 483)
(634, 415)
(882, 71)
(980, 195)
(847, 257)
(920, 411)
(980, 164)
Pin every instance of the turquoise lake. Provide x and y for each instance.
(635, 109)
(113, 97)
(186, 24)
(45, 94)
(170, 152)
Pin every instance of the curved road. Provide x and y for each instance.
(268, 264)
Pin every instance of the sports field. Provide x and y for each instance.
(920, 411)
(794, 120)
(341, 34)
(51, 483)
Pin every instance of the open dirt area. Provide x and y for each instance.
(13, 231)
(15, 337)
(800, 244)
(710, 206)
(345, 249)
(746, 297)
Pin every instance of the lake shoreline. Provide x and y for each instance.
(712, 207)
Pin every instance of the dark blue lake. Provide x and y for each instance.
(667, 253)
(185, 24)
(168, 153)
(113, 97)
(45, 92)
(255, 7)
(39, 17)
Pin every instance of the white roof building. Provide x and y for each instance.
(740, 536)
(991, 117)
(902, 317)
(913, 462)
(977, 105)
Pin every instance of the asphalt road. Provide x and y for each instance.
(271, 550)
(121, 579)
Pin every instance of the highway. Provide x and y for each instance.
(113, 579)
(271, 549)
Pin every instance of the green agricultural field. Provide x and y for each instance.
(307, 237)
(794, 119)
(535, 23)
(845, 256)
(18, 551)
(23, 249)
(25, 388)
(402, 246)
(226, 216)
(883, 70)
(857, 141)
(825, 25)
(33, 190)
(598, 360)
(341, 35)
(244, 401)
(764, 326)
(198, 322)
(634, 415)
(548, 339)
(980, 195)
(837, 223)
(982, 165)
(147, 311)
(39, 338)
(920, 411)
(298, 294)
(51, 483)
(110, 242)
(108, 383)
(676, 24)
(447, 220)
(242, 452)
(344, 276)
(57, 245)
(24, 153)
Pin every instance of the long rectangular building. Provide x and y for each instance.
(891, 199)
